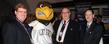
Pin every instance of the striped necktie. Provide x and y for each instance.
(62, 29)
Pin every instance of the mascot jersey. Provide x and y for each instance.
(41, 34)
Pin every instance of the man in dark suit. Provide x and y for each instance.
(92, 31)
(66, 30)
(14, 31)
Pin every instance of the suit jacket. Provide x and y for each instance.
(14, 33)
(72, 34)
(93, 35)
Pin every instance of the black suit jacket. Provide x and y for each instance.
(93, 35)
(72, 33)
(14, 33)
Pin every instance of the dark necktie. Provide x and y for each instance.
(87, 28)
(62, 29)
(63, 26)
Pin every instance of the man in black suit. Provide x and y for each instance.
(65, 30)
(93, 31)
(14, 31)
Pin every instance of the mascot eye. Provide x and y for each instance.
(41, 14)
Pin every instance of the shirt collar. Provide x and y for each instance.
(66, 21)
(89, 23)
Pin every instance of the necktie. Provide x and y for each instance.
(62, 29)
(87, 27)
(63, 26)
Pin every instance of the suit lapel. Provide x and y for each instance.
(56, 25)
(22, 28)
(69, 28)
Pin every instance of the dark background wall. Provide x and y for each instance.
(5, 9)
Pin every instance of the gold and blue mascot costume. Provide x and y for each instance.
(42, 27)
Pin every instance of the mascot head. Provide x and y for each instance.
(44, 11)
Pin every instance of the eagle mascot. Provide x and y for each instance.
(42, 27)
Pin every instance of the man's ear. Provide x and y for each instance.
(93, 15)
(15, 12)
(70, 13)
